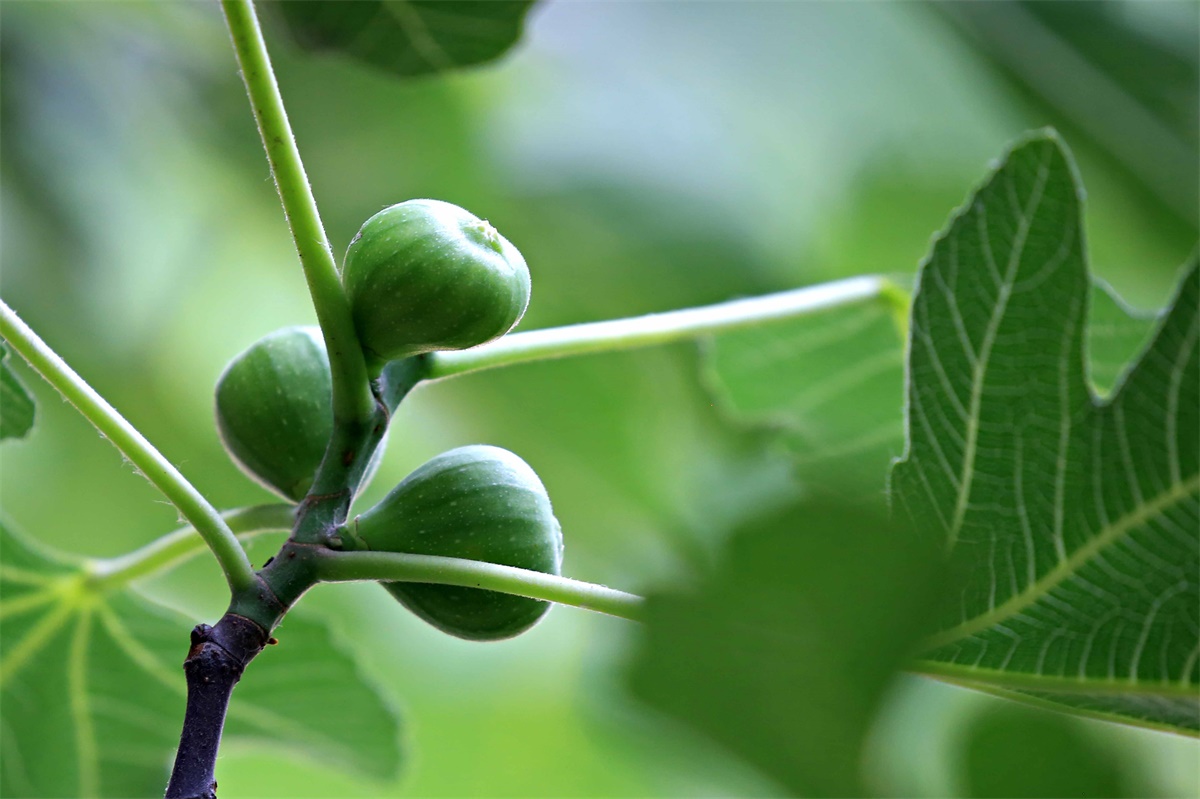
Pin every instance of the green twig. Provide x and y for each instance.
(662, 328)
(401, 567)
(173, 548)
(134, 446)
(352, 400)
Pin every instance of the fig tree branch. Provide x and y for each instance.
(214, 664)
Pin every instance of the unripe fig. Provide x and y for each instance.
(481, 503)
(426, 275)
(274, 409)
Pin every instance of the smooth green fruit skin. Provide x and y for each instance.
(274, 409)
(425, 275)
(481, 503)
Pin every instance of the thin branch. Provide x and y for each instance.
(134, 446)
(352, 400)
(174, 548)
(334, 566)
(662, 328)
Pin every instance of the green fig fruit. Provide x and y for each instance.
(425, 275)
(274, 409)
(480, 503)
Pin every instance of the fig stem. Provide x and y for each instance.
(352, 399)
(198, 512)
(664, 328)
(175, 547)
(333, 566)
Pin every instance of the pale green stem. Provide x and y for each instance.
(662, 328)
(352, 400)
(582, 339)
(900, 300)
(134, 446)
(174, 548)
(403, 567)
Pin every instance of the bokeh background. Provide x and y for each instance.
(644, 156)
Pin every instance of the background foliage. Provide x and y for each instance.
(643, 157)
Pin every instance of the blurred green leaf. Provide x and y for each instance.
(832, 384)
(17, 408)
(408, 37)
(93, 692)
(1136, 101)
(783, 655)
(1016, 752)
(1072, 521)
(309, 696)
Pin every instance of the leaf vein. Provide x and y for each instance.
(989, 339)
(1089, 552)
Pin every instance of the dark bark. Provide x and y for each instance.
(219, 654)
(213, 666)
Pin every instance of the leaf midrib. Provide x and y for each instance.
(78, 695)
(15, 657)
(982, 360)
(1175, 493)
(418, 33)
(1030, 681)
(1045, 702)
